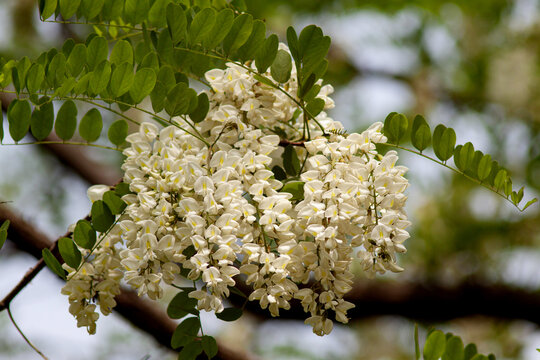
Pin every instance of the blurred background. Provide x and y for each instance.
(473, 260)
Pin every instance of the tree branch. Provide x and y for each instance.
(141, 313)
(427, 302)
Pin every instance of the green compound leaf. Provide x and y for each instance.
(190, 351)
(294, 47)
(76, 60)
(209, 346)
(421, 133)
(19, 113)
(166, 77)
(464, 156)
(296, 188)
(42, 120)
(454, 349)
(529, 203)
(444, 141)
(35, 78)
(102, 217)
(230, 314)
(114, 203)
(279, 173)
(83, 84)
(281, 67)
(3, 232)
(484, 167)
(98, 49)
(122, 52)
(135, 11)
(201, 25)
(291, 163)
(84, 234)
(239, 33)
(91, 125)
(151, 61)
(267, 53)
(68, 8)
(249, 49)
(176, 22)
(52, 263)
(313, 47)
(222, 26)
(180, 100)
(185, 332)
(181, 305)
(470, 351)
(66, 120)
(91, 8)
(118, 132)
(122, 189)
(395, 127)
(100, 77)
(203, 105)
(435, 345)
(66, 87)
(479, 357)
(47, 8)
(69, 252)
(157, 16)
(315, 106)
(143, 84)
(122, 79)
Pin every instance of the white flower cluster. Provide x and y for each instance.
(211, 204)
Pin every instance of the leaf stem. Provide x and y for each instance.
(456, 171)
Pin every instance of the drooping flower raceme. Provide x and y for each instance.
(209, 202)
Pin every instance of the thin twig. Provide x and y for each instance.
(24, 336)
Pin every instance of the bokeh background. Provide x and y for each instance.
(473, 265)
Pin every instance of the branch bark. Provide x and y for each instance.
(140, 312)
(427, 302)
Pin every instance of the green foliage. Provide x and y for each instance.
(435, 345)
(239, 33)
(181, 305)
(114, 203)
(118, 132)
(395, 127)
(19, 113)
(84, 234)
(203, 105)
(229, 314)
(102, 216)
(209, 346)
(143, 84)
(447, 347)
(3, 232)
(185, 332)
(190, 351)
(52, 263)
(291, 163)
(475, 165)
(66, 120)
(267, 53)
(69, 252)
(420, 134)
(91, 125)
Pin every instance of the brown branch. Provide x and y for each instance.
(424, 301)
(285, 142)
(141, 313)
